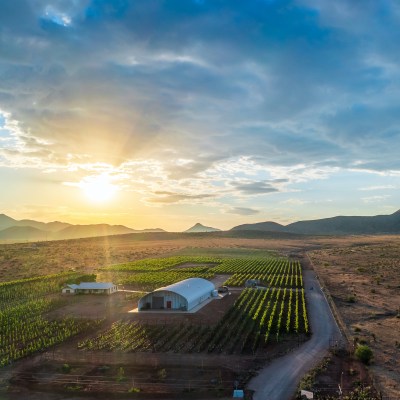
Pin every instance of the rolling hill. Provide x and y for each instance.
(26, 229)
(19, 233)
(341, 225)
(78, 231)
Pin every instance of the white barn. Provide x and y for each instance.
(90, 288)
(183, 295)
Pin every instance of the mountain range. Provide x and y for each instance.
(341, 225)
(26, 229)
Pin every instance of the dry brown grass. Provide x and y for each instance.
(369, 274)
(20, 260)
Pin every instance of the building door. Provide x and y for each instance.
(169, 304)
(157, 302)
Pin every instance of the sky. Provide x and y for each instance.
(156, 113)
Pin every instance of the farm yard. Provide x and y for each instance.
(236, 333)
(257, 317)
(245, 322)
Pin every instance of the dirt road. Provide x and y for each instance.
(279, 379)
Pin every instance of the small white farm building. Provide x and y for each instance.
(183, 295)
(90, 288)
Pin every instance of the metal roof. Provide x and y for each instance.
(92, 285)
(191, 288)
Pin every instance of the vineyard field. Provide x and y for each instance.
(153, 273)
(257, 318)
(24, 328)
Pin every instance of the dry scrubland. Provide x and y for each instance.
(364, 281)
(361, 273)
(22, 260)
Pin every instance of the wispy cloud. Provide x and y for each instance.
(168, 197)
(254, 188)
(375, 199)
(373, 188)
(242, 211)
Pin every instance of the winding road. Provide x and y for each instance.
(279, 379)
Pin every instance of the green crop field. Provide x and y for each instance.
(153, 273)
(24, 328)
(258, 316)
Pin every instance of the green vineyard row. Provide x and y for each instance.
(256, 318)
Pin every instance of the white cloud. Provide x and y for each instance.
(380, 187)
(295, 202)
(242, 211)
(375, 199)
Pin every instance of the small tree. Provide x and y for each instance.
(363, 353)
(120, 375)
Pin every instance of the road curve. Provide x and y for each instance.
(279, 379)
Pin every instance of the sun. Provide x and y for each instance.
(99, 188)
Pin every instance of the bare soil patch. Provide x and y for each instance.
(364, 281)
(122, 381)
(339, 369)
(94, 306)
(219, 279)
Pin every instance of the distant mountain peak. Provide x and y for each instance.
(198, 227)
(27, 229)
(4, 216)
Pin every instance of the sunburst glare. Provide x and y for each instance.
(99, 188)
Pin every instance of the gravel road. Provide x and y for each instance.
(279, 379)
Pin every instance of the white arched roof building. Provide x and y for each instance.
(183, 295)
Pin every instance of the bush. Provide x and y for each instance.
(66, 368)
(363, 353)
(361, 394)
(120, 375)
(351, 299)
(162, 373)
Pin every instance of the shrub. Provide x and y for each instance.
(351, 299)
(361, 394)
(363, 353)
(162, 373)
(120, 375)
(66, 368)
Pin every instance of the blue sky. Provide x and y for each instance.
(222, 112)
